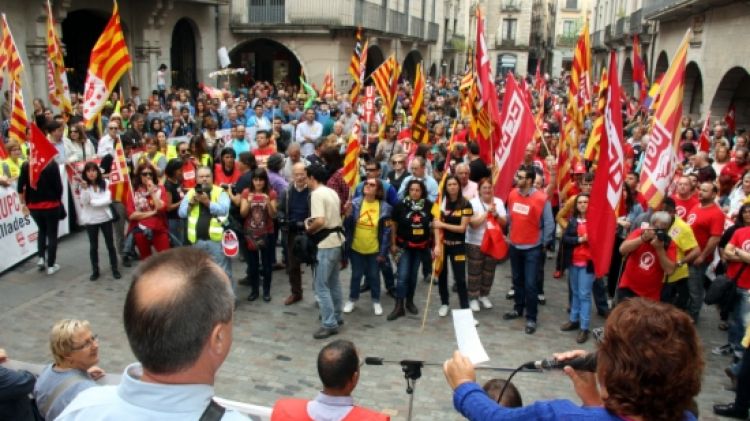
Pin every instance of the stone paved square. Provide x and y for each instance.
(274, 353)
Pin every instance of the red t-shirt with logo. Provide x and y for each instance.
(643, 274)
(741, 240)
(706, 222)
(684, 206)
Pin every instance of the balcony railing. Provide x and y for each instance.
(566, 40)
(397, 22)
(596, 41)
(432, 31)
(608, 33)
(369, 15)
(266, 12)
(507, 43)
(636, 22)
(510, 6)
(416, 28)
(622, 27)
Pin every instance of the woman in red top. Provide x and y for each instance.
(147, 212)
(577, 259)
(225, 172)
(258, 208)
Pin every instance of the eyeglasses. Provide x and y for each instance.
(371, 184)
(87, 344)
(398, 162)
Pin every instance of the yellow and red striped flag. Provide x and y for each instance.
(592, 147)
(119, 178)
(355, 65)
(351, 158)
(419, 133)
(660, 163)
(109, 61)
(18, 119)
(10, 60)
(57, 79)
(580, 75)
(386, 82)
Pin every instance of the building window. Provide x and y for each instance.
(506, 63)
(571, 4)
(509, 29)
(570, 28)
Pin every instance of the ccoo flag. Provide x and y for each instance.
(607, 188)
(109, 61)
(660, 162)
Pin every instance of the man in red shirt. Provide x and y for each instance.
(707, 222)
(735, 168)
(264, 149)
(684, 197)
(649, 259)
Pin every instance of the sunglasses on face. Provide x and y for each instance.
(371, 184)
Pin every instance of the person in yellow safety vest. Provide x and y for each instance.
(153, 155)
(11, 166)
(205, 207)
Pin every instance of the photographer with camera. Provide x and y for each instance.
(205, 208)
(293, 209)
(650, 255)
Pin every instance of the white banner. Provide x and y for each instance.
(18, 233)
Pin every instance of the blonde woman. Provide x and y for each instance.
(75, 350)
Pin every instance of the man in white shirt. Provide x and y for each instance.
(308, 133)
(106, 145)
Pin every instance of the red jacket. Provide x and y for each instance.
(296, 410)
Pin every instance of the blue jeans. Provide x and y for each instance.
(387, 270)
(259, 263)
(524, 266)
(327, 287)
(408, 270)
(364, 265)
(696, 289)
(216, 251)
(177, 230)
(739, 318)
(581, 283)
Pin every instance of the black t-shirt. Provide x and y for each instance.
(176, 193)
(478, 170)
(413, 223)
(452, 214)
(244, 182)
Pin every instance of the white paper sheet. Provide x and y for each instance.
(467, 337)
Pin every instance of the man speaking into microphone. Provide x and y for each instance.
(648, 367)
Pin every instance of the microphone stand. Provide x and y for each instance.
(412, 370)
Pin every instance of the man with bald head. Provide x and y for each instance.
(293, 209)
(468, 187)
(178, 319)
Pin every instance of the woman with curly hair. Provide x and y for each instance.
(648, 368)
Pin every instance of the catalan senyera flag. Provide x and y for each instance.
(608, 180)
(351, 158)
(659, 167)
(386, 79)
(437, 263)
(122, 190)
(10, 60)
(653, 94)
(419, 133)
(639, 71)
(592, 147)
(57, 79)
(354, 67)
(18, 119)
(109, 61)
(580, 75)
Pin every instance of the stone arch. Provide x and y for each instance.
(734, 88)
(183, 54)
(692, 99)
(78, 43)
(375, 58)
(267, 60)
(627, 76)
(662, 64)
(409, 69)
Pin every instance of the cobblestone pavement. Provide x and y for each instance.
(274, 353)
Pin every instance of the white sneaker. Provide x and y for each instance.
(53, 269)
(377, 309)
(485, 302)
(348, 307)
(474, 305)
(476, 322)
(443, 310)
(40, 263)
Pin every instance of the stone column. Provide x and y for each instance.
(140, 69)
(37, 55)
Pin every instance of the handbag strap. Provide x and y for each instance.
(737, 277)
(213, 412)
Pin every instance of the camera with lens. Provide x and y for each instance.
(662, 235)
(203, 188)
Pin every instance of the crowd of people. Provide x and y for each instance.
(253, 173)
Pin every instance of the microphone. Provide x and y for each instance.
(585, 363)
(373, 361)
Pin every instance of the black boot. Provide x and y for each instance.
(410, 307)
(94, 274)
(398, 310)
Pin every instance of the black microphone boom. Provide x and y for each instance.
(585, 363)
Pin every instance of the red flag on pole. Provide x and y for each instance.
(516, 132)
(42, 153)
(607, 189)
(489, 115)
(704, 144)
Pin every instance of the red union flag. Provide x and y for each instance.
(660, 162)
(607, 189)
(516, 130)
(42, 153)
